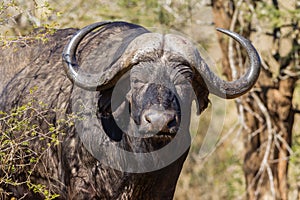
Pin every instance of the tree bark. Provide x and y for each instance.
(267, 110)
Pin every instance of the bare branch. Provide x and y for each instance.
(230, 44)
(271, 179)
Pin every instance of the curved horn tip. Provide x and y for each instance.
(247, 81)
(231, 33)
(222, 30)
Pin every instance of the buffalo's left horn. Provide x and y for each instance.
(233, 89)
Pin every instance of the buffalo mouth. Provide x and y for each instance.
(158, 141)
(164, 136)
(171, 134)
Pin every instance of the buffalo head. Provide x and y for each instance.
(159, 76)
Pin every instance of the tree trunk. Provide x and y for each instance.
(267, 111)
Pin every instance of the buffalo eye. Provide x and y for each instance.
(182, 74)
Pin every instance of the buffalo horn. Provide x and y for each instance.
(86, 81)
(233, 89)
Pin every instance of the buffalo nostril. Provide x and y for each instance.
(148, 119)
(153, 118)
(160, 121)
(172, 122)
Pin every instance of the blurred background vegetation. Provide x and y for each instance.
(212, 173)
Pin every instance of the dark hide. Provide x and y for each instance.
(68, 168)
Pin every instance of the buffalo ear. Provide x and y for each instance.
(104, 101)
(201, 92)
(114, 109)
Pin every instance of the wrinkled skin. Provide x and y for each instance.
(164, 85)
(156, 77)
(68, 168)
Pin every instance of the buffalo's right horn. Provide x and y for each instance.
(107, 75)
(86, 81)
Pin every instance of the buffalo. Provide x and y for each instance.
(131, 92)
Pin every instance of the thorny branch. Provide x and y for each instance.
(18, 134)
